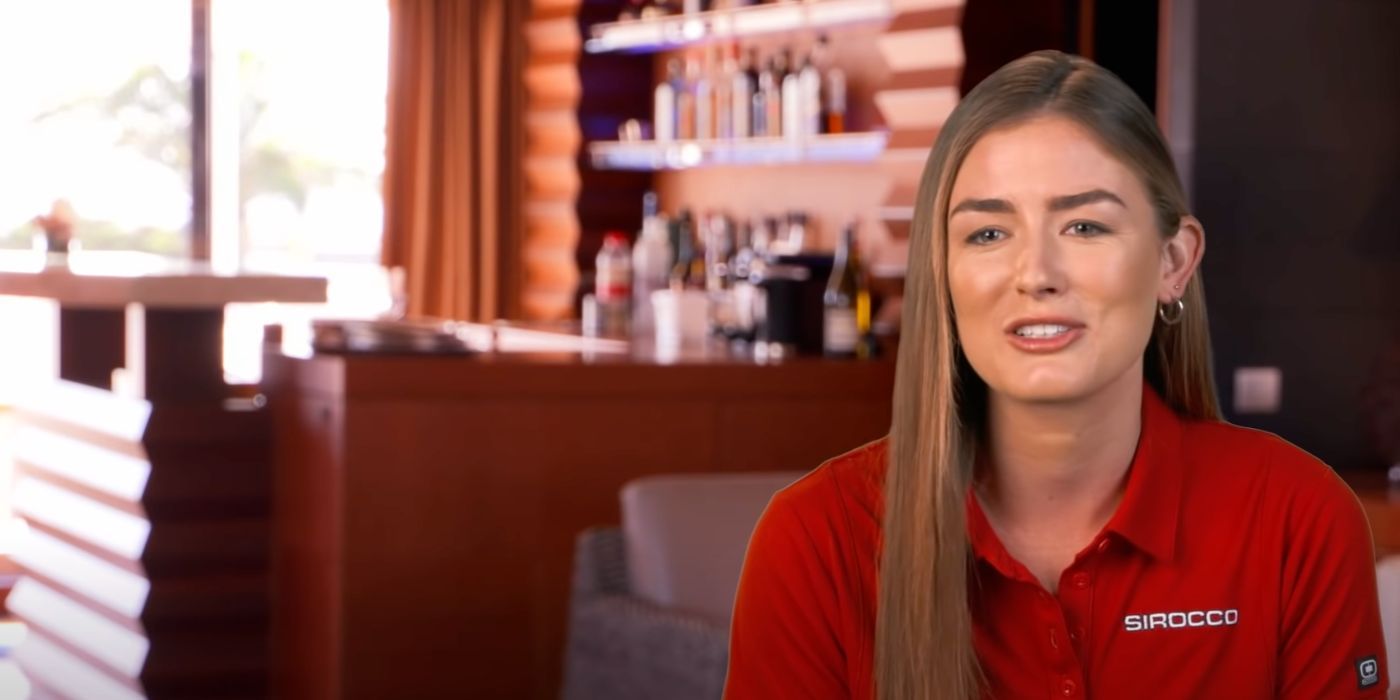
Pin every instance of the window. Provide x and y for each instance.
(297, 136)
(95, 111)
(297, 106)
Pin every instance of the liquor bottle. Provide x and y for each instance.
(772, 88)
(686, 102)
(719, 247)
(724, 94)
(702, 88)
(651, 263)
(847, 301)
(745, 265)
(696, 277)
(665, 114)
(743, 84)
(792, 104)
(683, 242)
(834, 98)
(809, 88)
(763, 235)
(742, 258)
(765, 98)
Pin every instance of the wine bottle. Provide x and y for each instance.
(683, 232)
(847, 300)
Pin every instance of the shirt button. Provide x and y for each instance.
(1081, 580)
(1103, 545)
(1076, 634)
(1054, 640)
(1068, 687)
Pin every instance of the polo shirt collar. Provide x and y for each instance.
(1147, 517)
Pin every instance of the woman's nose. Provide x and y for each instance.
(1038, 269)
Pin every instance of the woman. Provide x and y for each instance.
(1058, 510)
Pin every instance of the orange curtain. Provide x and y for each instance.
(452, 156)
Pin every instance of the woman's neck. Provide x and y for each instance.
(1057, 469)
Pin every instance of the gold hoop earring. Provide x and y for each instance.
(1175, 317)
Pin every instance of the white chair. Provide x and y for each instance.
(1388, 578)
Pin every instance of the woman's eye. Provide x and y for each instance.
(1084, 228)
(985, 236)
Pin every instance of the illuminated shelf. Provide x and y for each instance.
(674, 31)
(682, 155)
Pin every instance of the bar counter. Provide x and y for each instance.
(426, 507)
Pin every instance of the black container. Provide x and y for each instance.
(794, 285)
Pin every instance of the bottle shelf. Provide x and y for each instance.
(683, 155)
(675, 31)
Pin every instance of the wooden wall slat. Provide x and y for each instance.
(552, 132)
(920, 108)
(551, 176)
(558, 36)
(907, 6)
(551, 85)
(552, 142)
(924, 50)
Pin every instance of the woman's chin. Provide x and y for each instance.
(1048, 388)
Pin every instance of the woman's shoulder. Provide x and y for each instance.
(806, 591)
(1233, 458)
(853, 479)
(836, 507)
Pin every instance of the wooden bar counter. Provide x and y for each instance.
(426, 507)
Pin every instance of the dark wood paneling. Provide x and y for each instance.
(91, 345)
(427, 509)
(1297, 184)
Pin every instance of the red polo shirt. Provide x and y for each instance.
(1236, 566)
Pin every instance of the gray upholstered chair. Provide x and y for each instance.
(651, 602)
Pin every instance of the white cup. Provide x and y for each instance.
(682, 317)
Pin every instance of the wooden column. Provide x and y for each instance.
(145, 570)
(91, 343)
(548, 272)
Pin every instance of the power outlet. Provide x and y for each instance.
(1258, 390)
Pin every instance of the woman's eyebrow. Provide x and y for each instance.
(1061, 203)
(1072, 201)
(987, 206)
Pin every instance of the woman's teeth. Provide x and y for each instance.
(1041, 331)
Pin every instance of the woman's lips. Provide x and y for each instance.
(1053, 343)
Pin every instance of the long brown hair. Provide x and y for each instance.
(923, 633)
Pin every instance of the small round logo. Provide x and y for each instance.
(1368, 671)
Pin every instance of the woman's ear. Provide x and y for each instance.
(1181, 254)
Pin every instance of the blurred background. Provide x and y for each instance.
(426, 348)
